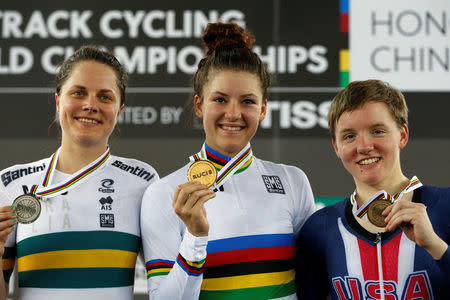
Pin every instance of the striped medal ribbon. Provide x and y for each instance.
(361, 212)
(45, 191)
(239, 160)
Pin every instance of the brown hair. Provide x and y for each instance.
(229, 47)
(357, 93)
(95, 53)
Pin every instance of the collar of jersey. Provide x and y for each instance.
(219, 160)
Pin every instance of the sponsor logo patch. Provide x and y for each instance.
(106, 203)
(273, 184)
(106, 186)
(107, 220)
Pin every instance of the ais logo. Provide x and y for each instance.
(106, 203)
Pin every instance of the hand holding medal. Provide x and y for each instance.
(189, 198)
(413, 219)
(8, 221)
(374, 207)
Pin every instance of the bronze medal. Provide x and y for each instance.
(28, 208)
(374, 212)
(202, 171)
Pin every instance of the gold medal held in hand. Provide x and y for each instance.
(202, 171)
(374, 212)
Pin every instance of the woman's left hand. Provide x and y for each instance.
(413, 219)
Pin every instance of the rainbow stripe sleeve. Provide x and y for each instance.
(158, 267)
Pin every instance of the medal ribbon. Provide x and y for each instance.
(361, 212)
(45, 191)
(245, 156)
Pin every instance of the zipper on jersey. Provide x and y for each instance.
(380, 264)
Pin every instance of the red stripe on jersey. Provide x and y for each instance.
(250, 254)
(389, 255)
(369, 265)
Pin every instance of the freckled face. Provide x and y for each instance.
(231, 108)
(368, 142)
(89, 104)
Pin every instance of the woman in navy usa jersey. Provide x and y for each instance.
(85, 241)
(235, 240)
(389, 239)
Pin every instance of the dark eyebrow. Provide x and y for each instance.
(245, 95)
(106, 91)
(220, 93)
(345, 130)
(378, 125)
(84, 88)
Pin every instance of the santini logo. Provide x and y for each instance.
(140, 172)
(10, 176)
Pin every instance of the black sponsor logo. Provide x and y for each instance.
(106, 186)
(107, 220)
(273, 184)
(140, 172)
(106, 203)
(10, 176)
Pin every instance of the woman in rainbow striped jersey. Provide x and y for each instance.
(231, 237)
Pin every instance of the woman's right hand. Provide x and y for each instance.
(188, 203)
(8, 221)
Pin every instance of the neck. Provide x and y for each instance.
(364, 192)
(73, 157)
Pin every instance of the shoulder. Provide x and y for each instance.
(133, 168)
(327, 214)
(166, 186)
(18, 173)
(436, 191)
(174, 179)
(437, 199)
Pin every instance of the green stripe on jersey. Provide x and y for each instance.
(265, 292)
(77, 278)
(78, 240)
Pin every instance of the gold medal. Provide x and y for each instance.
(28, 208)
(202, 171)
(374, 212)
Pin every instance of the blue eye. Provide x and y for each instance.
(105, 97)
(249, 101)
(78, 93)
(348, 136)
(219, 99)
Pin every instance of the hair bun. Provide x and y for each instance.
(226, 36)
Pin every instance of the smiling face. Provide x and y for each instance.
(231, 108)
(88, 104)
(368, 142)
